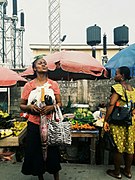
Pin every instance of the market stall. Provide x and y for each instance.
(83, 128)
(13, 136)
(12, 131)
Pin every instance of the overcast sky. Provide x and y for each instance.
(76, 16)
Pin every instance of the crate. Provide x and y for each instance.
(14, 140)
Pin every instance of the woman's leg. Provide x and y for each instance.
(117, 162)
(40, 177)
(128, 158)
(56, 176)
(33, 161)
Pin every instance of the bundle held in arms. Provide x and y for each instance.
(59, 132)
(43, 127)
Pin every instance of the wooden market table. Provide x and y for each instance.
(13, 141)
(93, 135)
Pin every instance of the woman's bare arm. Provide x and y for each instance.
(114, 98)
(58, 100)
(32, 109)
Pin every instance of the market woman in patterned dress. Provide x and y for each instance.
(34, 163)
(124, 137)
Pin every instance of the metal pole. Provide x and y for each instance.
(3, 33)
(22, 51)
(14, 23)
(93, 52)
(59, 26)
(9, 99)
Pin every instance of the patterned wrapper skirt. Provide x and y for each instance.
(124, 138)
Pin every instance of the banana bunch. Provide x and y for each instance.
(5, 132)
(3, 114)
(18, 127)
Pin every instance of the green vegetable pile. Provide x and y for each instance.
(83, 116)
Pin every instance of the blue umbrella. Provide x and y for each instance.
(125, 57)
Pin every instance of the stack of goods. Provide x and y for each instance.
(5, 133)
(99, 117)
(15, 130)
(10, 126)
(83, 119)
(99, 122)
(5, 120)
(18, 127)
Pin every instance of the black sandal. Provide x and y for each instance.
(112, 173)
(128, 175)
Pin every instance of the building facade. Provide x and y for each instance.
(111, 49)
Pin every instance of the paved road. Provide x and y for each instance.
(9, 171)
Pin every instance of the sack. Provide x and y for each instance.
(121, 116)
(108, 142)
(59, 132)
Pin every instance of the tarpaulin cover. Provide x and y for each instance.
(125, 57)
(9, 77)
(67, 65)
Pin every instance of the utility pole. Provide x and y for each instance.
(104, 58)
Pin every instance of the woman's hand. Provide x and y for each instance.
(34, 109)
(106, 126)
(46, 109)
(133, 112)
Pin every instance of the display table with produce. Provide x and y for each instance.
(82, 121)
(14, 136)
